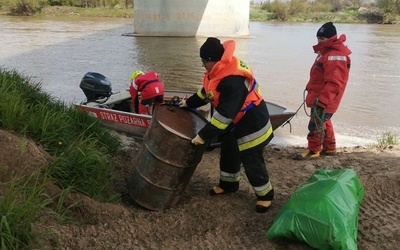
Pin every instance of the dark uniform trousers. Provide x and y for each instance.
(252, 160)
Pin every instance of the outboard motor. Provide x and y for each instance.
(95, 86)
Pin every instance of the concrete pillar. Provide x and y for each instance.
(191, 18)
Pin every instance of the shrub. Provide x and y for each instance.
(25, 7)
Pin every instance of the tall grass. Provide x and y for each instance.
(20, 207)
(81, 147)
(76, 140)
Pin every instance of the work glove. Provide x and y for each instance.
(183, 104)
(198, 140)
(319, 110)
(319, 107)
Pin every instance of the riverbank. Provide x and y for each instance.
(347, 15)
(56, 214)
(212, 222)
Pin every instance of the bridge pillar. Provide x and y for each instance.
(191, 17)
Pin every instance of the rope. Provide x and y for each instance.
(288, 121)
(301, 105)
(314, 114)
(318, 116)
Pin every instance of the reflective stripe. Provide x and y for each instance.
(337, 58)
(250, 87)
(246, 82)
(200, 94)
(255, 138)
(229, 177)
(220, 121)
(263, 190)
(134, 85)
(218, 124)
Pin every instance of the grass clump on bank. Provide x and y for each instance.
(388, 138)
(79, 144)
(82, 156)
(20, 207)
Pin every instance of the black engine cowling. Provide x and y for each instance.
(95, 86)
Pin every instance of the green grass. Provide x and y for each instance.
(76, 140)
(294, 11)
(388, 138)
(82, 153)
(62, 11)
(20, 207)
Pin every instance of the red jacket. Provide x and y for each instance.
(149, 84)
(329, 74)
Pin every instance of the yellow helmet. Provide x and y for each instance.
(136, 73)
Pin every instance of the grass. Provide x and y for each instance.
(257, 13)
(388, 138)
(62, 11)
(20, 207)
(76, 140)
(82, 153)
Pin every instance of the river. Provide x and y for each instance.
(58, 52)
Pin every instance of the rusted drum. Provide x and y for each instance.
(167, 158)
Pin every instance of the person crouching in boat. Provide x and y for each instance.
(151, 90)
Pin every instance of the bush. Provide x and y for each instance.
(298, 6)
(279, 8)
(25, 7)
(320, 6)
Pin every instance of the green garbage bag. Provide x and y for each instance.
(323, 212)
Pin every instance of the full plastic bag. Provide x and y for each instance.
(323, 212)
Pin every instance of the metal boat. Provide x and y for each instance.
(116, 110)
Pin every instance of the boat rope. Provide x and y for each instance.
(318, 117)
(288, 121)
(297, 111)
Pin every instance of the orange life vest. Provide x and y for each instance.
(230, 65)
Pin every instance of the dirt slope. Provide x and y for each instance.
(199, 221)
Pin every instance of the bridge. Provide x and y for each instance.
(201, 18)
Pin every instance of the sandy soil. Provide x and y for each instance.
(199, 221)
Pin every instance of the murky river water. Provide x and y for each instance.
(58, 52)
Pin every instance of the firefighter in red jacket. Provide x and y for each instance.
(151, 91)
(241, 120)
(328, 79)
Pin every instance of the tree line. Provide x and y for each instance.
(381, 11)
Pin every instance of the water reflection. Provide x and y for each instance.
(175, 59)
(59, 52)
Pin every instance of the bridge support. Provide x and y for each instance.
(191, 18)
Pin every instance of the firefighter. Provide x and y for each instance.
(328, 80)
(241, 120)
(151, 90)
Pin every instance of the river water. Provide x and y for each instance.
(58, 52)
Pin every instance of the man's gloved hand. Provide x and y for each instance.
(319, 107)
(198, 140)
(182, 104)
(319, 112)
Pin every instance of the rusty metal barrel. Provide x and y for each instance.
(167, 158)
